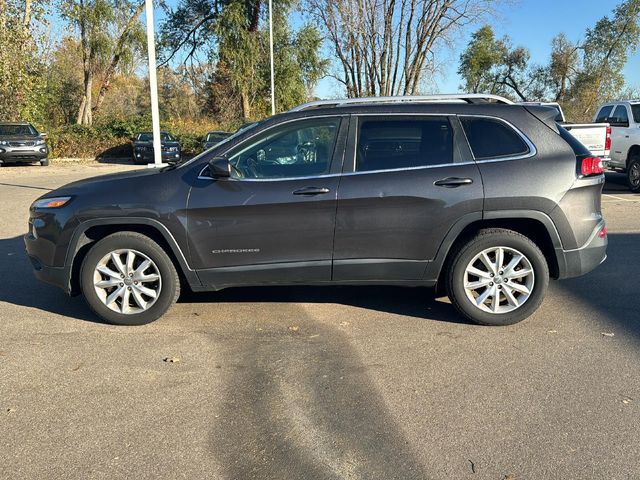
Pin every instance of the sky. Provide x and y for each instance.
(531, 24)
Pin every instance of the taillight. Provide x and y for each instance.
(592, 166)
(607, 142)
(603, 233)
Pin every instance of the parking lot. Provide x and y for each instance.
(319, 383)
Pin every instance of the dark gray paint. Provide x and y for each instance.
(374, 227)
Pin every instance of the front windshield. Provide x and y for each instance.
(18, 130)
(230, 138)
(148, 137)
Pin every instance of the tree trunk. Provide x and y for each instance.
(246, 107)
(84, 112)
(117, 55)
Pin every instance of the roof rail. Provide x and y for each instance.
(454, 97)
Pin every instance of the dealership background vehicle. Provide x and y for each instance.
(21, 142)
(213, 138)
(624, 118)
(142, 146)
(480, 198)
(595, 136)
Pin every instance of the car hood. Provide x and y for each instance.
(21, 138)
(102, 182)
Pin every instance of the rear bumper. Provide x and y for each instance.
(577, 262)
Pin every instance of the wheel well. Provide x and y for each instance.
(633, 152)
(533, 229)
(98, 232)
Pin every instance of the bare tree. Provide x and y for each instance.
(385, 47)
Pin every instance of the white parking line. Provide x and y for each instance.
(634, 199)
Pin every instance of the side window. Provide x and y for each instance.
(604, 113)
(490, 138)
(620, 116)
(302, 149)
(405, 143)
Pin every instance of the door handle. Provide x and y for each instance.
(311, 191)
(452, 182)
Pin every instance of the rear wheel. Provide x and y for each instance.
(499, 277)
(128, 279)
(633, 174)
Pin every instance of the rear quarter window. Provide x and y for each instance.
(491, 138)
(603, 114)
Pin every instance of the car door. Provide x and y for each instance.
(272, 221)
(620, 135)
(407, 180)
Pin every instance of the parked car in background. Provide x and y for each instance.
(595, 136)
(142, 146)
(624, 118)
(480, 198)
(214, 138)
(21, 142)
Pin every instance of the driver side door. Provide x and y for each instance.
(273, 220)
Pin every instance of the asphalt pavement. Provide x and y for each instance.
(318, 383)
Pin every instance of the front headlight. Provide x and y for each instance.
(53, 202)
(4, 143)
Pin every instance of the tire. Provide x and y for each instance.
(44, 163)
(512, 310)
(633, 174)
(141, 307)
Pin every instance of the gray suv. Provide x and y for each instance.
(21, 142)
(483, 199)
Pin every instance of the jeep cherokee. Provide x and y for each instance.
(481, 198)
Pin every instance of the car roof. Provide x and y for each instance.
(15, 123)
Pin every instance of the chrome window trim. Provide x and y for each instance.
(504, 158)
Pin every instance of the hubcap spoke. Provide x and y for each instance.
(510, 297)
(519, 288)
(127, 281)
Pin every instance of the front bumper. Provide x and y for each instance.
(29, 154)
(577, 262)
(146, 156)
(57, 276)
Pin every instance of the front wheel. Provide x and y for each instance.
(44, 163)
(128, 279)
(499, 277)
(633, 174)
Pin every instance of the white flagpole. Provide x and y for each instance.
(273, 92)
(153, 86)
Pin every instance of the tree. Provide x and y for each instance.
(563, 67)
(21, 66)
(606, 48)
(490, 65)
(102, 42)
(231, 38)
(385, 47)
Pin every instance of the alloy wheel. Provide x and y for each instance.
(499, 280)
(127, 281)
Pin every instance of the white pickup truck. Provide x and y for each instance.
(624, 118)
(595, 136)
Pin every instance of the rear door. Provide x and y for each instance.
(407, 180)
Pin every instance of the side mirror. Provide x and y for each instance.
(220, 167)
